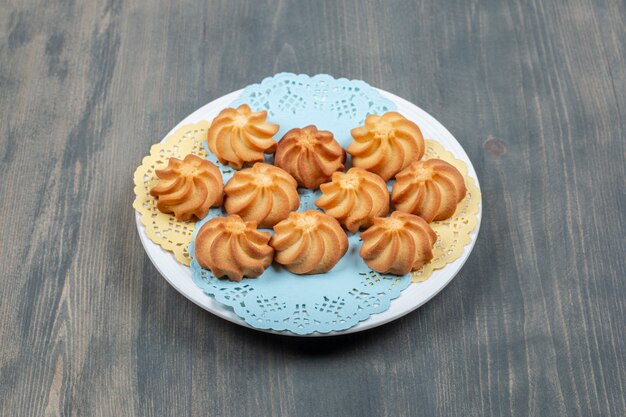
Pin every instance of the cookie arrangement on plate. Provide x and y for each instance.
(394, 227)
(315, 200)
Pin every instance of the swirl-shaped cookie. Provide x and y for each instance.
(354, 198)
(310, 155)
(398, 244)
(232, 248)
(264, 194)
(430, 189)
(188, 188)
(237, 136)
(309, 242)
(386, 144)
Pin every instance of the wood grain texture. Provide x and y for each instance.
(535, 323)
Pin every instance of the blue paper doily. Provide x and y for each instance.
(350, 292)
(329, 104)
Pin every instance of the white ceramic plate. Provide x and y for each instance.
(179, 276)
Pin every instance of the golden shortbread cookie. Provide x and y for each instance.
(310, 156)
(239, 136)
(232, 248)
(430, 189)
(309, 242)
(386, 144)
(354, 198)
(188, 188)
(264, 194)
(398, 244)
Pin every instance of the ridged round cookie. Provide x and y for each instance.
(386, 144)
(354, 198)
(310, 156)
(188, 188)
(239, 136)
(232, 248)
(264, 193)
(309, 242)
(398, 244)
(430, 189)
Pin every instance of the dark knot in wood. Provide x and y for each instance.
(494, 147)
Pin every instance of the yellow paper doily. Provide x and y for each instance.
(163, 229)
(175, 236)
(452, 234)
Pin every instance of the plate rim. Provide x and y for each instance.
(160, 257)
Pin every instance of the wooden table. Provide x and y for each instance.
(533, 325)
